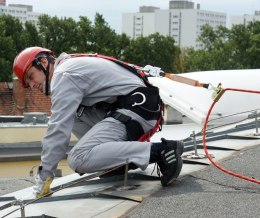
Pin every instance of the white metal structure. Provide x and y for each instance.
(195, 102)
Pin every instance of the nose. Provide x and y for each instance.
(31, 84)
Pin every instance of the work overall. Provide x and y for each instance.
(103, 139)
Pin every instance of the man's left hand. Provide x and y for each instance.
(42, 188)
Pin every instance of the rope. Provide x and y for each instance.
(61, 187)
(204, 139)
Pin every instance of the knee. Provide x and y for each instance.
(78, 164)
(72, 162)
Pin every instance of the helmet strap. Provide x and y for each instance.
(47, 73)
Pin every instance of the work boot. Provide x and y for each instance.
(167, 155)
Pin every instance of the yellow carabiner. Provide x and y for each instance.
(218, 92)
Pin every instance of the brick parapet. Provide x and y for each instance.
(15, 100)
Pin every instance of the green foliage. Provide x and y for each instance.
(59, 35)
(11, 43)
(104, 38)
(156, 50)
(66, 35)
(237, 48)
(30, 35)
(85, 35)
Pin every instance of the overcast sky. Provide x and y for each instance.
(112, 9)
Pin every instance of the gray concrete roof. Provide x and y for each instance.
(209, 192)
(201, 191)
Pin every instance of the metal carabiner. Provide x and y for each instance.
(143, 96)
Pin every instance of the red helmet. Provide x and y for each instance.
(24, 59)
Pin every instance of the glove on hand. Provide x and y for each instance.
(42, 187)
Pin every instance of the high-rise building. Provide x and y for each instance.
(22, 12)
(182, 21)
(245, 19)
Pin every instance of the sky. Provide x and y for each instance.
(112, 10)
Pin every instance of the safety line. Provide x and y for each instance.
(61, 187)
(204, 137)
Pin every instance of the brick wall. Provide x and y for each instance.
(15, 100)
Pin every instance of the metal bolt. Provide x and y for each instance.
(22, 211)
(126, 173)
(256, 123)
(193, 135)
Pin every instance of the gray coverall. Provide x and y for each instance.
(102, 142)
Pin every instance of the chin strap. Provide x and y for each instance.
(46, 73)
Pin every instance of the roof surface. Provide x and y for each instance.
(201, 190)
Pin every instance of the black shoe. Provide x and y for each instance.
(168, 158)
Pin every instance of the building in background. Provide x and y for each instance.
(2, 2)
(182, 21)
(22, 12)
(245, 19)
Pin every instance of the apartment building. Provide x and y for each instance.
(245, 19)
(22, 12)
(182, 21)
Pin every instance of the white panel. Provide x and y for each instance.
(194, 102)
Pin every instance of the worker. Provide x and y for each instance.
(106, 105)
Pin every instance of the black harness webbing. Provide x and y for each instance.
(133, 128)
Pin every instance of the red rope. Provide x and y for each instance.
(204, 140)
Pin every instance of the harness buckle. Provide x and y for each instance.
(80, 111)
(139, 103)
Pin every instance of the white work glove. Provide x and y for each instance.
(153, 71)
(41, 187)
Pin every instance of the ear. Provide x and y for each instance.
(44, 62)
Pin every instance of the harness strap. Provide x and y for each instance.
(133, 128)
(144, 101)
(130, 67)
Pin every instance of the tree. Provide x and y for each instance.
(57, 34)
(11, 44)
(85, 35)
(245, 43)
(31, 35)
(155, 49)
(253, 52)
(121, 43)
(104, 38)
(237, 48)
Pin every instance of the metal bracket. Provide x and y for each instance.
(126, 186)
(22, 207)
(195, 155)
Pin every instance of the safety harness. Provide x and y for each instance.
(144, 101)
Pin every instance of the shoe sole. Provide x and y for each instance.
(179, 151)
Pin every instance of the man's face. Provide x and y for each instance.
(35, 78)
